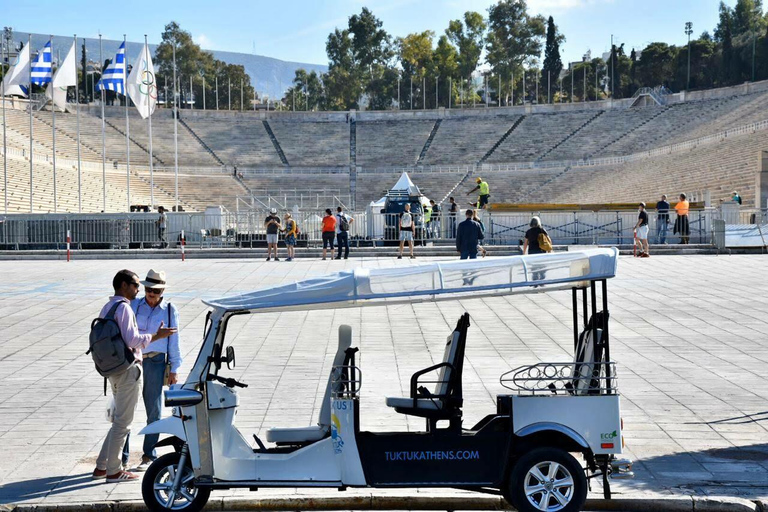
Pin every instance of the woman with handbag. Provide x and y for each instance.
(162, 358)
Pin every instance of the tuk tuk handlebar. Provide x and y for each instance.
(229, 382)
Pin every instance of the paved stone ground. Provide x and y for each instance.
(690, 335)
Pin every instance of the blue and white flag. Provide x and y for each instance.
(42, 70)
(113, 78)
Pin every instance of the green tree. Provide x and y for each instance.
(657, 65)
(553, 65)
(468, 37)
(416, 59)
(192, 61)
(445, 62)
(342, 82)
(514, 37)
(729, 65)
(703, 69)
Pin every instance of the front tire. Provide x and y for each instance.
(547, 479)
(156, 487)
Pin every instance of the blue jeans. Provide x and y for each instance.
(661, 231)
(466, 254)
(342, 241)
(154, 371)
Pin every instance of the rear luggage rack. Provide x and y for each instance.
(574, 379)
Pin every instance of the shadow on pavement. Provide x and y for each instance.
(42, 487)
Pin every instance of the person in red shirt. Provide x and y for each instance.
(329, 231)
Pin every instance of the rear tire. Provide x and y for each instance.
(157, 483)
(548, 479)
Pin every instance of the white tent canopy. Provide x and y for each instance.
(405, 183)
(431, 281)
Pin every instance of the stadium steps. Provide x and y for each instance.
(164, 193)
(502, 139)
(67, 135)
(429, 142)
(275, 142)
(620, 137)
(353, 142)
(570, 135)
(199, 140)
(141, 146)
(457, 185)
(528, 193)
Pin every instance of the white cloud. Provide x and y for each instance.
(203, 41)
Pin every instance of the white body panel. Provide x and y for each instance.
(597, 419)
(344, 441)
(171, 425)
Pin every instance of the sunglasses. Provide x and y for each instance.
(153, 291)
(135, 284)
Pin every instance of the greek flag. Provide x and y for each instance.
(42, 71)
(113, 77)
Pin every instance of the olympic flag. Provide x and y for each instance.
(142, 87)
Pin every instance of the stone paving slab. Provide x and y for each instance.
(689, 335)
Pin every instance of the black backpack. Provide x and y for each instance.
(343, 222)
(109, 352)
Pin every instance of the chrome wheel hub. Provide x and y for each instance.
(549, 486)
(174, 499)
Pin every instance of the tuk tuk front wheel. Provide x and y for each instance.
(157, 486)
(548, 479)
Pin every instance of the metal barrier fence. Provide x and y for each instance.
(247, 229)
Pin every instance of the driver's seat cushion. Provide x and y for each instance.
(433, 404)
(296, 435)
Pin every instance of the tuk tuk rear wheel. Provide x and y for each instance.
(548, 479)
(156, 487)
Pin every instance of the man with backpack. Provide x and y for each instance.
(343, 222)
(116, 347)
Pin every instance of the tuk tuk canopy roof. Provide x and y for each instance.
(430, 281)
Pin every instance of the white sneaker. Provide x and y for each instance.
(143, 465)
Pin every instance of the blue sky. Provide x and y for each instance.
(296, 30)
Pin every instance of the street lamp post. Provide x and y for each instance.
(688, 32)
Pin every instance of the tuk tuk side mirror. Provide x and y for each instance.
(230, 357)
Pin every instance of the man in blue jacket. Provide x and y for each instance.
(468, 234)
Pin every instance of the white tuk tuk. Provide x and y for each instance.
(524, 450)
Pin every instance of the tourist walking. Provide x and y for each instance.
(291, 231)
(641, 231)
(682, 226)
(662, 220)
(329, 231)
(453, 212)
(162, 224)
(468, 236)
(272, 223)
(343, 223)
(161, 359)
(406, 225)
(485, 193)
(537, 241)
(480, 247)
(436, 223)
(125, 384)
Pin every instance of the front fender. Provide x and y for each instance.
(553, 428)
(171, 425)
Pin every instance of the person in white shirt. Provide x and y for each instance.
(406, 230)
(151, 311)
(342, 235)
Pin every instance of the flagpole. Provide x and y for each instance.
(175, 130)
(241, 95)
(149, 119)
(103, 137)
(53, 130)
(31, 172)
(79, 173)
(229, 93)
(5, 146)
(127, 125)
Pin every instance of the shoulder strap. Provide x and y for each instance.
(113, 310)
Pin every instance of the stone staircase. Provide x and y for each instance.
(202, 143)
(428, 142)
(502, 139)
(636, 127)
(141, 146)
(572, 134)
(275, 142)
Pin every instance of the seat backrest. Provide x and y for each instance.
(345, 341)
(449, 379)
(587, 371)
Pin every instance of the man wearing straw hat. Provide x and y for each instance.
(161, 359)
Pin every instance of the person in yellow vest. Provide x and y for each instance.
(427, 221)
(485, 192)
